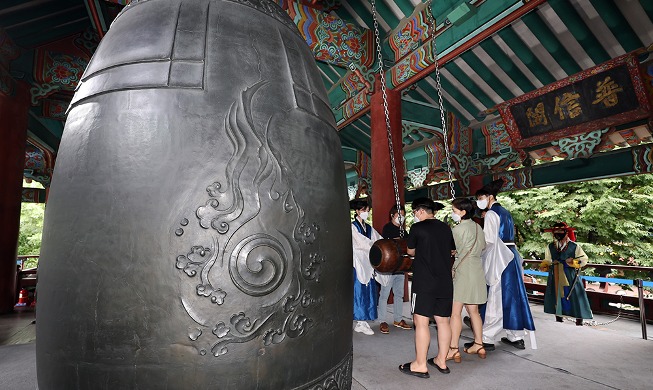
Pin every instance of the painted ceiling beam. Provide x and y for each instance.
(472, 39)
(572, 20)
(484, 73)
(551, 43)
(506, 64)
(405, 6)
(647, 5)
(526, 56)
(357, 8)
(618, 24)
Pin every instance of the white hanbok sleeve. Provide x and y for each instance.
(361, 246)
(382, 278)
(496, 255)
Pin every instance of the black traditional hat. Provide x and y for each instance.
(491, 188)
(359, 203)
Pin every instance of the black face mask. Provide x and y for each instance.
(559, 236)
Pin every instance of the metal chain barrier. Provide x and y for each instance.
(594, 323)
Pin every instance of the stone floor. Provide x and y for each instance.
(611, 356)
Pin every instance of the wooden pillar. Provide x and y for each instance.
(383, 197)
(13, 128)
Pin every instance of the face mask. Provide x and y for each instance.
(481, 204)
(399, 220)
(415, 218)
(364, 215)
(559, 236)
(456, 218)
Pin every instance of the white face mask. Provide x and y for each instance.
(415, 218)
(399, 220)
(481, 204)
(456, 218)
(364, 215)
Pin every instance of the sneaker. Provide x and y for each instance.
(364, 328)
(384, 328)
(402, 324)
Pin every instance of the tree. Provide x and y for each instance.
(31, 228)
(613, 218)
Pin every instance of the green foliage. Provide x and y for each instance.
(613, 218)
(31, 228)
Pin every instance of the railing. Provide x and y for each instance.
(25, 278)
(598, 298)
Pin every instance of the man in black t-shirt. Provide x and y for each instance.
(431, 242)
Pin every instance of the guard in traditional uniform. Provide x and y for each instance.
(565, 294)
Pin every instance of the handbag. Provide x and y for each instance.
(453, 269)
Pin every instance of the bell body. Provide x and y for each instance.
(197, 232)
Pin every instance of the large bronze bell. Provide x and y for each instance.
(197, 232)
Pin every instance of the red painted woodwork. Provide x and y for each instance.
(383, 197)
(13, 127)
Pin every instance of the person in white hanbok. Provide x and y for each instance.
(365, 292)
(507, 303)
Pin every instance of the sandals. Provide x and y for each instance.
(480, 352)
(405, 368)
(456, 356)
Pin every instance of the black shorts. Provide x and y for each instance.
(428, 306)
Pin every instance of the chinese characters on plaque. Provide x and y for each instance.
(598, 96)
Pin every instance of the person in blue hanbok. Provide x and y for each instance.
(507, 305)
(565, 294)
(365, 293)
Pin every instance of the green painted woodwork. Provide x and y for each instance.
(648, 8)
(363, 13)
(36, 126)
(416, 158)
(580, 31)
(608, 164)
(442, 7)
(478, 143)
(351, 137)
(419, 113)
(386, 13)
(351, 177)
(551, 43)
(484, 13)
(466, 82)
(346, 16)
(506, 64)
(426, 87)
(525, 55)
(461, 13)
(616, 22)
(405, 6)
(481, 69)
(349, 155)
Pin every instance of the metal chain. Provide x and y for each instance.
(429, 14)
(393, 164)
(594, 323)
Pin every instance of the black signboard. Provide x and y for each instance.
(599, 96)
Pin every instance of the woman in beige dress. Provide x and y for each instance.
(469, 288)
